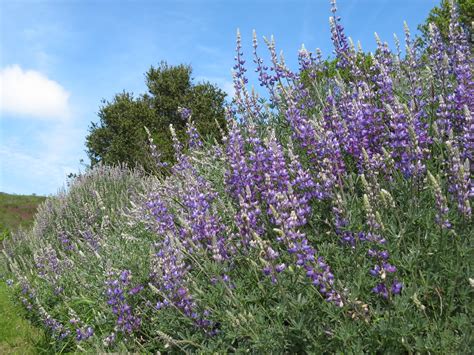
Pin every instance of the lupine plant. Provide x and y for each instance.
(335, 215)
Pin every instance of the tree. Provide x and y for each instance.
(441, 15)
(120, 137)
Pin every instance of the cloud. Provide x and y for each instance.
(29, 93)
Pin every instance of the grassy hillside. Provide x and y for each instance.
(17, 211)
(17, 336)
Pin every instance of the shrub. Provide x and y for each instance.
(119, 136)
(335, 216)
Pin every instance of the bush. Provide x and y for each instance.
(337, 216)
(119, 137)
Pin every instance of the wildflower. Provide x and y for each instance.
(441, 203)
(381, 289)
(396, 287)
(279, 268)
(117, 285)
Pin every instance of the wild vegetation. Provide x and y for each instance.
(334, 215)
(16, 333)
(17, 211)
(120, 137)
(440, 15)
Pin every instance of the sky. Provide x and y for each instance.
(60, 58)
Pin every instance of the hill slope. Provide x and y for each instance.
(17, 335)
(17, 211)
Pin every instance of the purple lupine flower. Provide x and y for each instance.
(406, 141)
(280, 267)
(460, 53)
(288, 211)
(50, 267)
(181, 161)
(194, 139)
(444, 120)
(339, 39)
(381, 289)
(467, 139)
(321, 146)
(383, 68)
(441, 203)
(347, 237)
(169, 270)
(66, 242)
(185, 113)
(285, 208)
(380, 271)
(110, 339)
(357, 123)
(459, 180)
(117, 285)
(300, 178)
(281, 72)
(439, 61)
(309, 64)
(57, 329)
(84, 334)
(91, 238)
(205, 227)
(267, 80)
(240, 185)
(375, 271)
(389, 268)
(372, 253)
(413, 68)
(135, 290)
(155, 154)
(396, 287)
(89, 331)
(247, 105)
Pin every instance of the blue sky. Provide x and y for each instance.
(60, 58)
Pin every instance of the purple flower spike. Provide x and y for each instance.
(396, 287)
(280, 268)
(381, 289)
(384, 255)
(389, 268)
(375, 271)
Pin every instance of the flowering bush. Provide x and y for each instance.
(335, 214)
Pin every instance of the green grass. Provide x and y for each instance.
(17, 335)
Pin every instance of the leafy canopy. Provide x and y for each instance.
(120, 137)
(440, 16)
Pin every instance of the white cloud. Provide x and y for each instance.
(30, 93)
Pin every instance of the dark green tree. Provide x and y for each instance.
(440, 16)
(120, 137)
